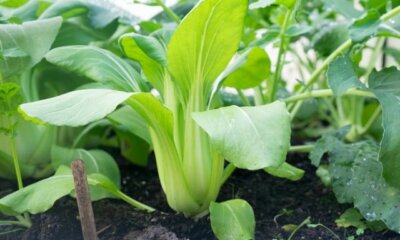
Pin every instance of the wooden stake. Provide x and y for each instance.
(83, 200)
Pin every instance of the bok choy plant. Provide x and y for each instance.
(190, 136)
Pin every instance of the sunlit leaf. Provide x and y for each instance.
(249, 137)
(232, 219)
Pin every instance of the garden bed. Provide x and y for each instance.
(270, 197)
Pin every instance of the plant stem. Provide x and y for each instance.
(14, 153)
(337, 52)
(327, 93)
(17, 223)
(371, 120)
(305, 222)
(301, 148)
(169, 12)
(281, 58)
(133, 202)
(243, 97)
(374, 57)
(228, 172)
(258, 96)
(390, 14)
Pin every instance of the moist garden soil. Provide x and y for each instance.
(269, 196)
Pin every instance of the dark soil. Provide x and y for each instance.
(268, 195)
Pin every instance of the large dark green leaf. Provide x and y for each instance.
(99, 65)
(329, 38)
(232, 219)
(249, 137)
(342, 76)
(23, 46)
(386, 86)
(357, 178)
(75, 108)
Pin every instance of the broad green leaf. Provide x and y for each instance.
(366, 27)
(34, 158)
(329, 38)
(233, 219)
(249, 137)
(24, 45)
(286, 171)
(97, 64)
(129, 120)
(255, 70)
(204, 43)
(386, 86)
(41, 196)
(76, 108)
(342, 76)
(96, 161)
(357, 178)
(150, 53)
(133, 148)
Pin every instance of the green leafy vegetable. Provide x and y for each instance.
(99, 65)
(232, 219)
(255, 70)
(267, 148)
(24, 45)
(385, 85)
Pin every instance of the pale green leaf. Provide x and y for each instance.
(24, 45)
(286, 171)
(99, 65)
(204, 43)
(150, 53)
(96, 161)
(40, 196)
(267, 3)
(249, 137)
(129, 120)
(232, 219)
(75, 108)
(255, 70)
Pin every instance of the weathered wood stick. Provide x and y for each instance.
(83, 200)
